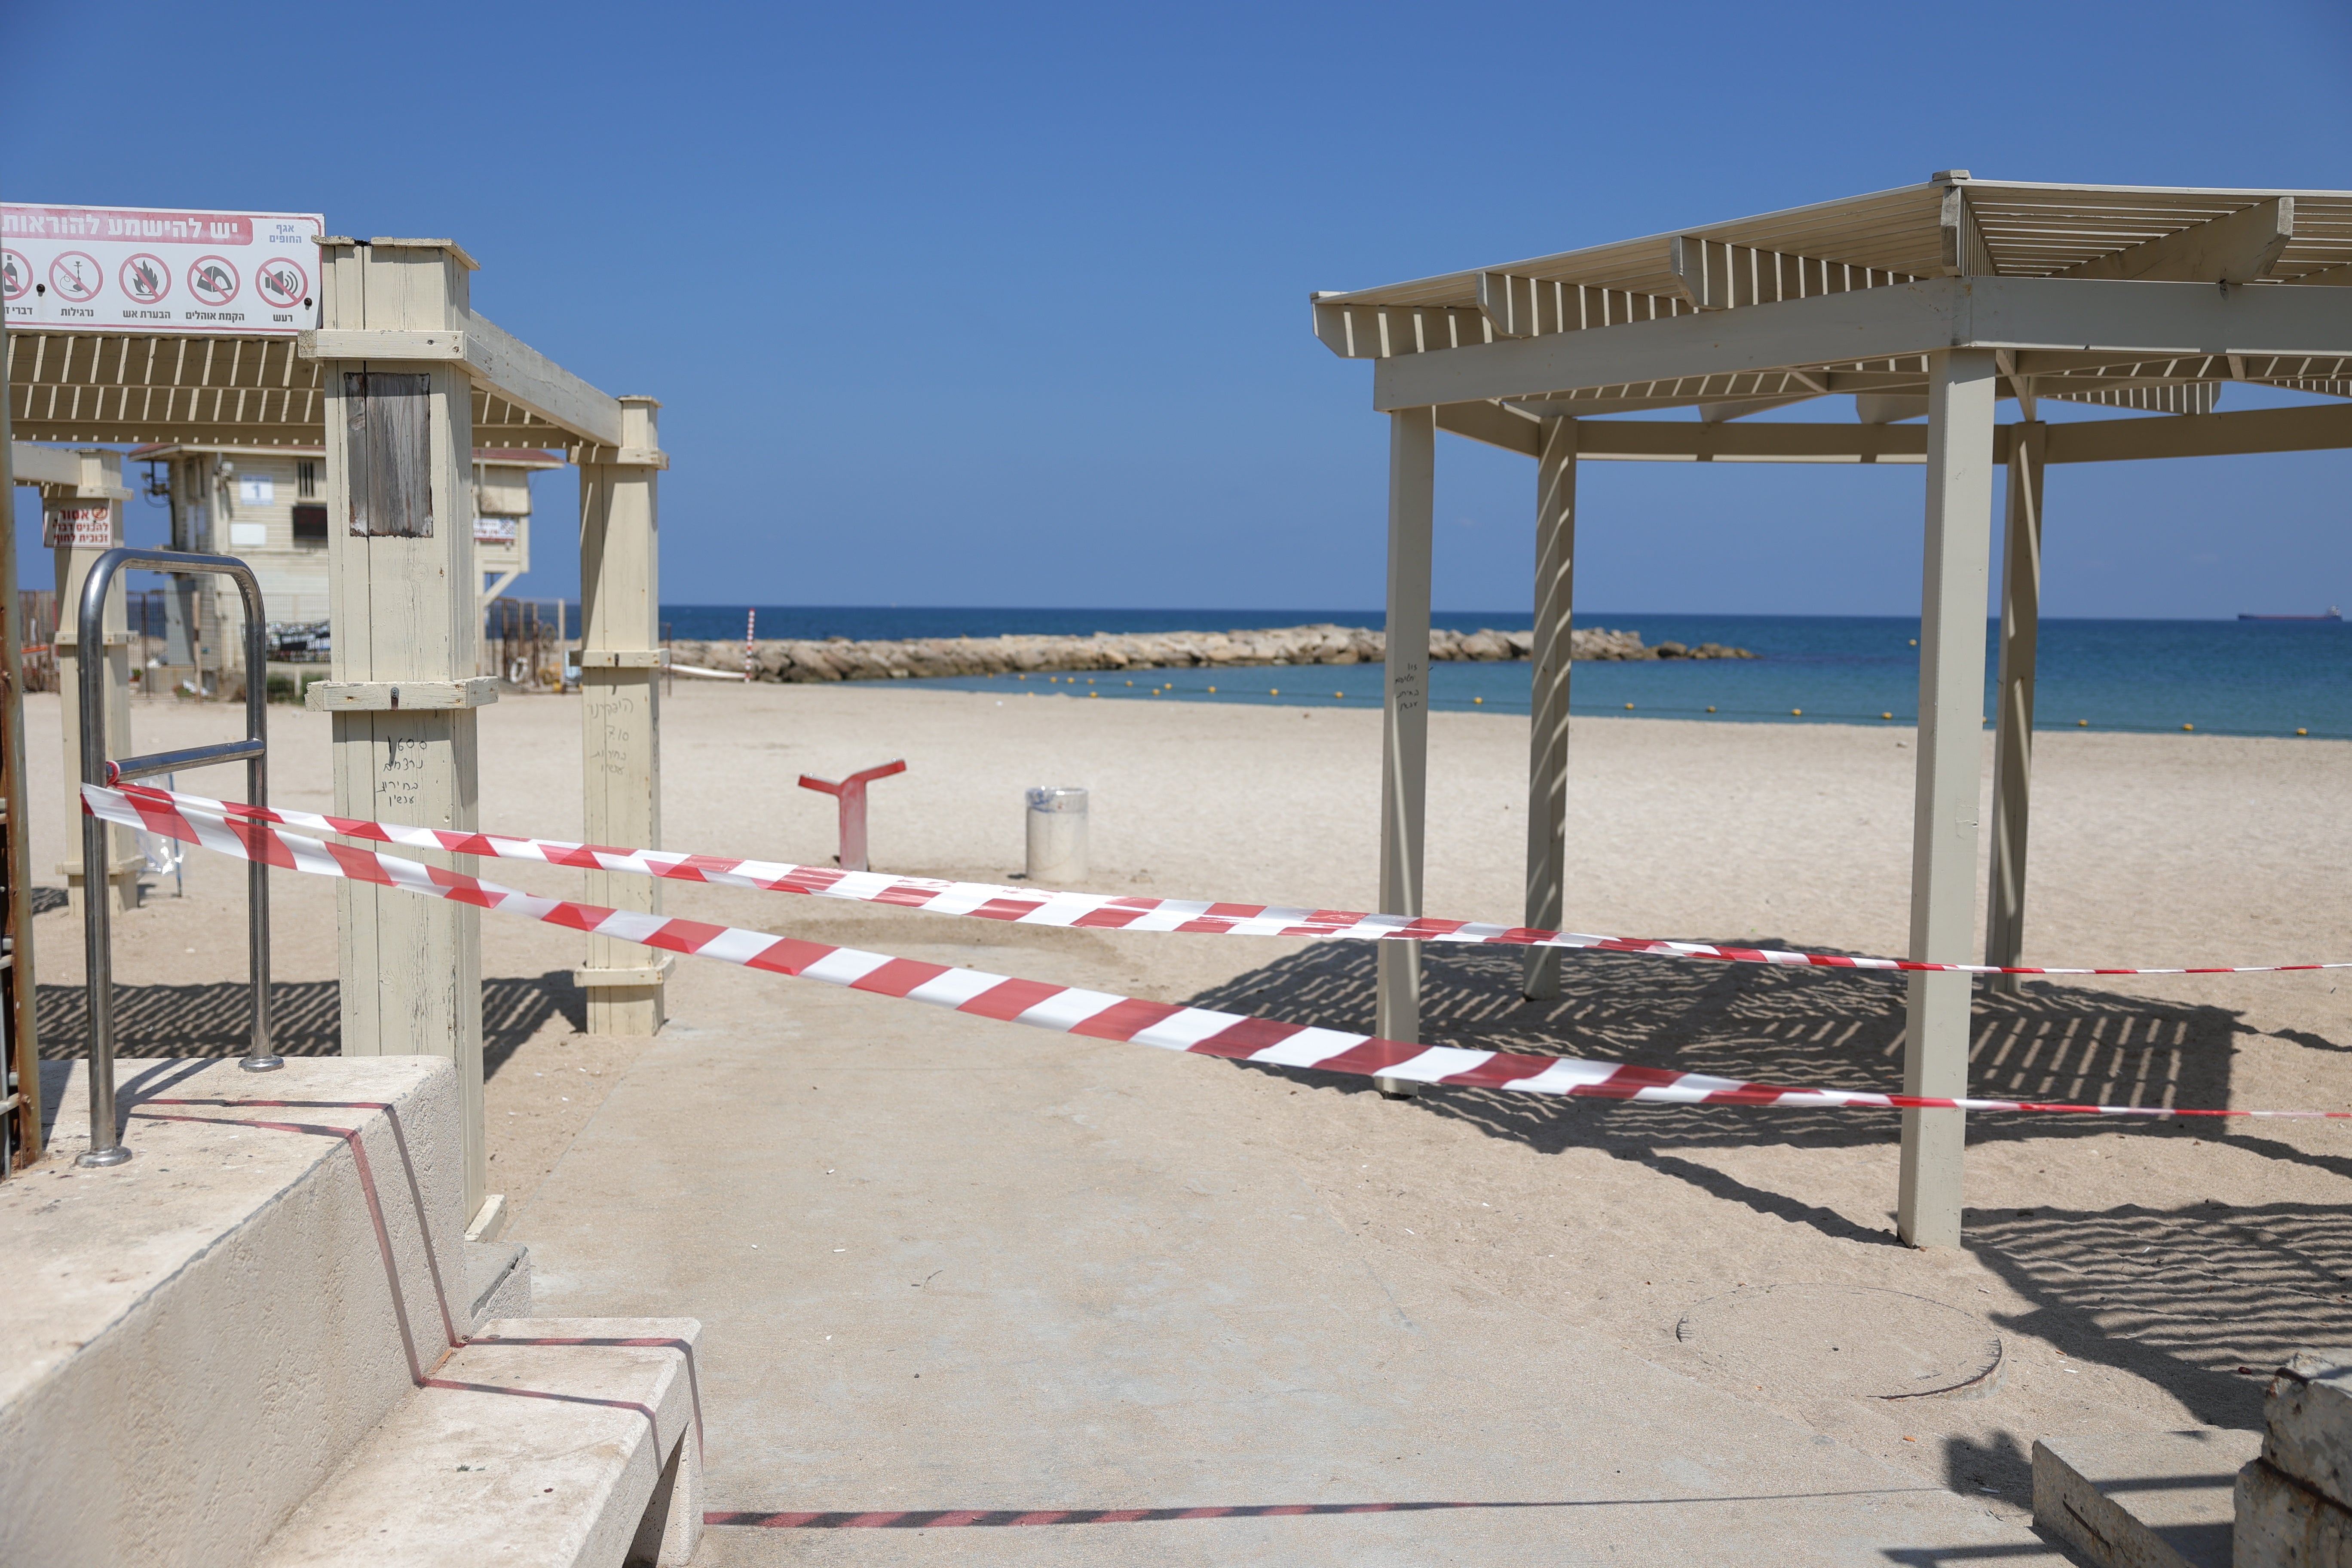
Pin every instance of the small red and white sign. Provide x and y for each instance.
(213, 279)
(77, 527)
(75, 275)
(282, 283)
(145, 279)
(150, 270)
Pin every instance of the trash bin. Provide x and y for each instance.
(1057, 836)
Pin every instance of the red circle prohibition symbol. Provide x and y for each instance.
(146, 283)
(282, 282)
(206, 278)
(16, 275)
(72, 283)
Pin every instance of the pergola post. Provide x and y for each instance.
(620, 687)
(1548, 666)
(1404, 727)
(401, 585)
(2020, 625)
(80, 523)
(1962, 387)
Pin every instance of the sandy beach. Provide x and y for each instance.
(2141, 1276)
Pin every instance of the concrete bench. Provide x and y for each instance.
(569, 1455)
(2142, 1500)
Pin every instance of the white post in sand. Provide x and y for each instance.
(400, 442)
(1961, 385)
(80, 523)
(1548, 667)
(620, 709)
(2012, 777)
(1404, 729)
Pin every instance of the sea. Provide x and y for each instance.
(2206, 678)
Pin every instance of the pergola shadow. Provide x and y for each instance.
(212, 1019)
(1802, 1028)
(2198, 1298)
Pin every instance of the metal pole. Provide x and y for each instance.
(98, 927)
(97, 916)
(260, 1056)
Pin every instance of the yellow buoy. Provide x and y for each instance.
(1130, 683)
(1886, 715)
(1915, 642)
(1796, 713)
(1212, 691)
(1477, 700)
(1274, 691)
(1629, 707)
(2303, 731)
(1710, 709)
(2189, 726)
(1340, 695)
(1094, 694)
(2081, 723)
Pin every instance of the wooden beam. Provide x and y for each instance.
(44, 465)
(1384, 332)
(1404, 750)
(1530, 307)
(1495, 424)
(1949, 766)
(2237, 248)
(2318, 427)
(1715, 275)
(496, 360)
(2136, 320)
(1887, 408)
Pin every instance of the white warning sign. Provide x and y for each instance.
(147, 269)
(77, 527)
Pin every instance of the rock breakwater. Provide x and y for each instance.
(838, 658)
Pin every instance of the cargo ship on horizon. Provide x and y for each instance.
(2332, 615)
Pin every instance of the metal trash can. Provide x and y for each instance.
(1057, 836)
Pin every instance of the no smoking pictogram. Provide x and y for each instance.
(213, 281)
(76, 276)
(282, 283)
(16, 275)
(145, 279)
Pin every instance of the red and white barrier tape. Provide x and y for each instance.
(1095, 1014)
(1094, 912)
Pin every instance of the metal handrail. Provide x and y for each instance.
(97, 919)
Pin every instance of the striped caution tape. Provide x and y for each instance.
(1093, 912)
(1067, 1009)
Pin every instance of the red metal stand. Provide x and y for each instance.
(851, 793)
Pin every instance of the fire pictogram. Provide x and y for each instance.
(213, 281)
(16, 275)
(76, 277)
(145, 279)
(282, 283)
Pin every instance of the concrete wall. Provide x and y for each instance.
(244, 1252)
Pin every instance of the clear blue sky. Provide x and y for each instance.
(1006, 305)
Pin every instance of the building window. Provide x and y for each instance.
(306, 485)
(311, 521)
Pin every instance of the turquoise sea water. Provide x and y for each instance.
(2231, 677)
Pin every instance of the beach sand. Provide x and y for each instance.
(2141, 1276)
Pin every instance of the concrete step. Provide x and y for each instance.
(197, 1337)
(584, 1453)
(2142, 1499)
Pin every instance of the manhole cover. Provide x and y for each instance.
(1829, 1339)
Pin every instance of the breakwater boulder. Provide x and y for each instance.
(838, 658)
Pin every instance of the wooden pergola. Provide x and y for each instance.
(1938, 299)
(408, 381)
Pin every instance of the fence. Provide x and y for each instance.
(524, 643)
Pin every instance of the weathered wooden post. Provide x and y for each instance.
(1944, 828)
(80, 523)
(400, 557)
(2021, 629)
(620, 706)
(1549, 667)
(1404, 729)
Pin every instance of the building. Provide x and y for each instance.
(268, 506)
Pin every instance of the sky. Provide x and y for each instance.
(1006, 305)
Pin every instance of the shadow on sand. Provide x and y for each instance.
(2185, 1296)
(212, 1019)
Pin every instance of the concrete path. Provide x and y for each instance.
(945, 1263)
